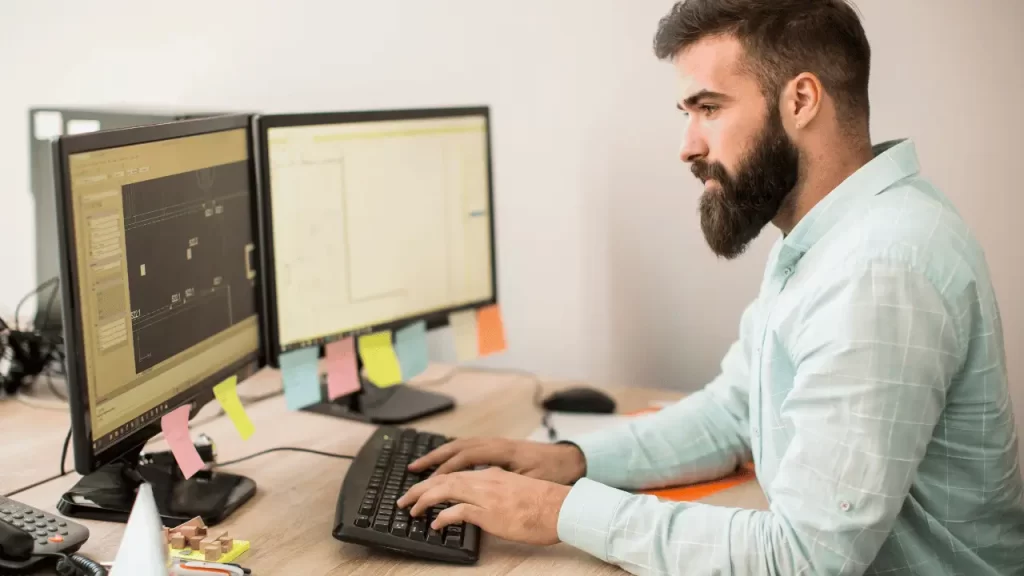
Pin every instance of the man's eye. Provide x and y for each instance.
(708, 109)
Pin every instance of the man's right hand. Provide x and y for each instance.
(561, 463)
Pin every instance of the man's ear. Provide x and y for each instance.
(801, 100)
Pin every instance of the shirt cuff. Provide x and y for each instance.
(604, 461)
(585, 518)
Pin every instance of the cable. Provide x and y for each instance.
(17, 309)
(74, 564)
(64, 451)
(282, 449)
(34, 402)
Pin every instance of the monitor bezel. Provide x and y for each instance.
(86, 460)
(262, 123)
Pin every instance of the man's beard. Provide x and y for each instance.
(733, 215)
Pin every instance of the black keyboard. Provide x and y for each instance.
(367, 513)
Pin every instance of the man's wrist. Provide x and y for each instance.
(577, 461)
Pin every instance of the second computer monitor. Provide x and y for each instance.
(374, 220)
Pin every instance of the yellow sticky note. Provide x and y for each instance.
(464, 330)
(227, 394)
(380, 360)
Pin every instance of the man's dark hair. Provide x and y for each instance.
(783, 38)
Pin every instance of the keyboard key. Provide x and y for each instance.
(51, 520)
(380, 525)
(434, 536)
(18, 516)
(51, 529)
(42, 541)
(418, 530)
(402, 516)
(18, 523)
(399, 529)
(453, 529)
(366, 508)
(453, 540)
(363, 521)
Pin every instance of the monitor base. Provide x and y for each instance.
(398, 404)
(109, 493)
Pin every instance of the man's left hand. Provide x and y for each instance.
(508, 505)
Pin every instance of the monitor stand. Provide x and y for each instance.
(109, 493)
(397, 404)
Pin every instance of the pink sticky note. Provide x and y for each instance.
(342, 374)
(175, 428)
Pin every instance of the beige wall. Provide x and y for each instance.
(590, 195)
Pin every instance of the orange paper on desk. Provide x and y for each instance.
(694, 492)
(490, 330)
(175, 429)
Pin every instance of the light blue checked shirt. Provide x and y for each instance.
(869, 387)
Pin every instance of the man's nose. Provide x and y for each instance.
(694, 146)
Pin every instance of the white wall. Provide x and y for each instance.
(589, 191)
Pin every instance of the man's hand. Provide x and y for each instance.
(561, 463)
(502, 503)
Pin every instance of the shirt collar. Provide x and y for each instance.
(893, 161)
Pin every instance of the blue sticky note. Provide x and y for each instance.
(301, 376)
(411, 347)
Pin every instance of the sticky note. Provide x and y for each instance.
(411, 347)
(227, 394)
(490, 330)
(380, 360)
(175, 429)
(342, 373)
(301, 377)
(464, 330)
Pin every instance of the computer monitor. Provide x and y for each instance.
(159, 260)
(45, 123)
(372, 221)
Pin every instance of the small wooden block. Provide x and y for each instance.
(189, 531)
(197, 522)
(195, 542)
(227, 544)
(212, 552)
(177, 541)
(201, 531)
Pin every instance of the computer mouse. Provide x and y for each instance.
(579, 400)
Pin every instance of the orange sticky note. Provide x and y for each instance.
(490, 331)
(342, 373)
(175, 429)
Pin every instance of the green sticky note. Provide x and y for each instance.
(411, 347)
(301, 377)
(227, 394)
(380, 360)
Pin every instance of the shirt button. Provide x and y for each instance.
(755, 431)
(787, 271)
(844, 505)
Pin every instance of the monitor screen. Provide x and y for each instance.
(377, 220)
(161, 241)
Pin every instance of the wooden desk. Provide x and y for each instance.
(289, 521)
(33, 433)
